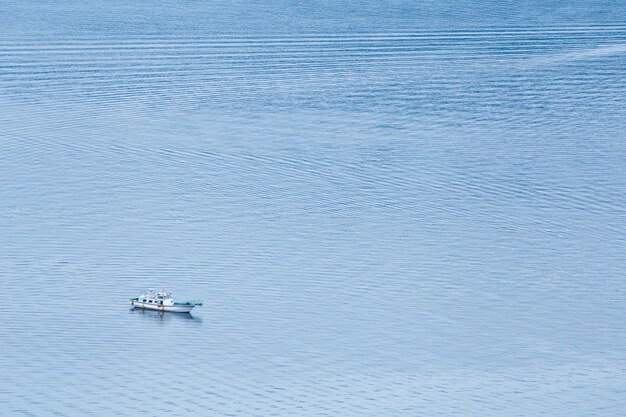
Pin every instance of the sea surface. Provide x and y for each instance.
(388, 208)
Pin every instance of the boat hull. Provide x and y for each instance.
(172, 309)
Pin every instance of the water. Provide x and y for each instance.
(387, 209)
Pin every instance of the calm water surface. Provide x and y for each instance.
(389, 210)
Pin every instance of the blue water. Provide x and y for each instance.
(389, 209)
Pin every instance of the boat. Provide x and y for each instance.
(162, 301)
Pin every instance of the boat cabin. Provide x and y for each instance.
(160, 298)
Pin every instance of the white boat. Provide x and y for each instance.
(162, 301)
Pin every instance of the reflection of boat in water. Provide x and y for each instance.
(162, 301)
(163, 316)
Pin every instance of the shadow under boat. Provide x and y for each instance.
(164, 315)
